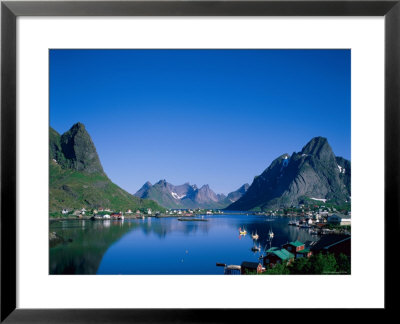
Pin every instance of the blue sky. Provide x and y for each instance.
(216, 117)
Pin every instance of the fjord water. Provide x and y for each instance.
(163, 245)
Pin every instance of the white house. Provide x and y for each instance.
(65, 211)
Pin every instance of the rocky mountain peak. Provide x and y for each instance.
(79, 150)
(74, 150)
(319, 147)
(313, 173)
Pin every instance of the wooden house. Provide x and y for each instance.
(298, 249)
(333, 243)
(277, 256)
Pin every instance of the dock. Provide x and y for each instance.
(230, 269)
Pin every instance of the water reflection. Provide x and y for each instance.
(163, 245)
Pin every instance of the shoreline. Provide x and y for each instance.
(166, 216)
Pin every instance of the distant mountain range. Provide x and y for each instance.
(314, 174)
(187, 196)
(77, 178)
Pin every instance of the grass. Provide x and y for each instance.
(74, 190)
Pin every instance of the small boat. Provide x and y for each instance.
(271, 234)
(254, 236)
(242, 231)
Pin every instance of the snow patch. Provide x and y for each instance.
(176, 196)
(319, 199)
(341, 170)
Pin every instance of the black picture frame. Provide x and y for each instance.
(10, 10)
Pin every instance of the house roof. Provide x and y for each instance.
(248, 264)
(296, 243)
(309, 244)
(304, 251)
(282, 254)
(327, 241)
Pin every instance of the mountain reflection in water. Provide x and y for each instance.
(162, 245)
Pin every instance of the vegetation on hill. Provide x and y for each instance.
(77, 179)
(316, 264)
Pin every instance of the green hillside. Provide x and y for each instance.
(77, 180)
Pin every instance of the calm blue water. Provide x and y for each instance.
(164, 245)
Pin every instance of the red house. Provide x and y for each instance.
(277, 256)
(293, 247)
(298, 249)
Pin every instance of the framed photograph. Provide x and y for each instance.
(197, 155)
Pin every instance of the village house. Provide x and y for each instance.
(251, 267)
(339, 219)
(101, 209)
(129, 211)
(336, 244)
(277, 256)
(65, 211)
(298, 249)
(148, 211)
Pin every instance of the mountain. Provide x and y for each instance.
(235, 195)
(314, 173)
(183, 196)
(77, 178)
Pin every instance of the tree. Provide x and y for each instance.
(323, 264)
(301, 266)
(278, 269)
(343, 263)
